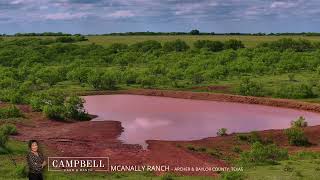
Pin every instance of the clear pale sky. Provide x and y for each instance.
(105, 16)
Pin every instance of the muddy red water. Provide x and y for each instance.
(162, 118)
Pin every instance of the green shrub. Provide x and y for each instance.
(50, 97)
(109, 80)
(255, 137)
(300, 45)
(10, 112)
(54, 112)
(297, 137)
(210, 45)
(103, 80)
(80, 38)
(16, 96)
(303, 155)
(130, 76)
(68, 39)
(167, 176)
(129, 57)
(291, 77)
(95, 79)
(146, 46)
(49, 75)
(233, 175)
(215, 152)
(177, 45)
(56, 105)
(288, 168)
(233, 44)
(195, 75)
(236, 149)
(117, 47)
(299, 174)
(118, 175)
(8, 83)
(78, 74)
(71, 39)
(295, 91)
(194, 32)
(263, 154)
(9, 129)
(146, 81)
(250, 88)
(222, 132)
(191, 148)
(3, 140)
(74, 108)
(300, 122)
(252, 137)
(21, 171)
(36, 103)
(196, 149)
(243, 137)
(318, 69)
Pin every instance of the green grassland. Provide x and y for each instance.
(249, 41)
(281, 68)
(308, 169)
(39, 70)
(287, 170)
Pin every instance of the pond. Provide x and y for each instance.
(163, 118)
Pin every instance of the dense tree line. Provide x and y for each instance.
(30, 66)
(37, 41)
(71, 39)
(44, 34)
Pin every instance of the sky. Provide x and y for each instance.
(106, 16)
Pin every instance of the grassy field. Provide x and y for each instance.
(249, 41)
(286, 170)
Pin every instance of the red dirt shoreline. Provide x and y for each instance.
(100, 138)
